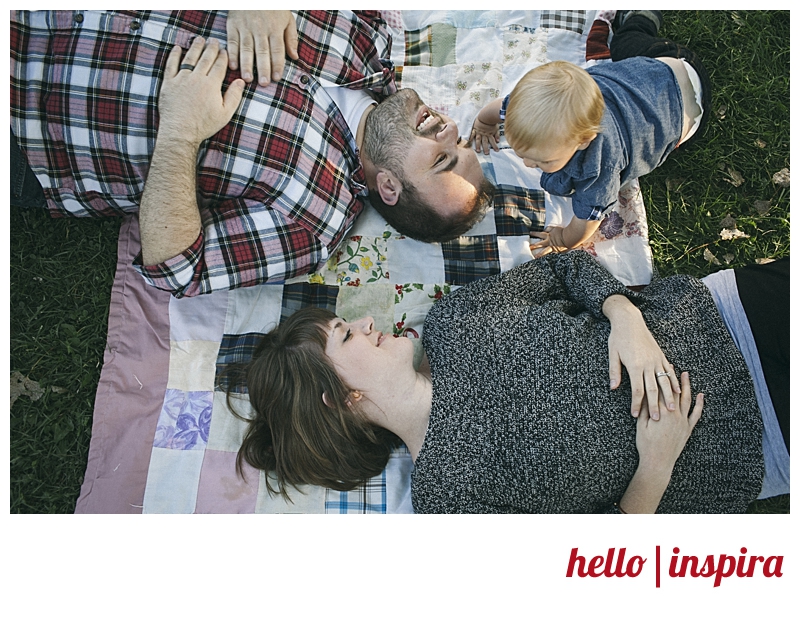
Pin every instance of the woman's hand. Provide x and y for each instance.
(484, 136)
(659, 444)
(267, 35)
(191, 105)
(631, 344)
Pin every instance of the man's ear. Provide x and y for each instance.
(388, 187)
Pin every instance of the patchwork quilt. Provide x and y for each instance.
(163, 438)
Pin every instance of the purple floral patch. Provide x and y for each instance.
(185, 420)
(612, 225)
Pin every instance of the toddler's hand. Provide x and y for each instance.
(484, 136)
(552, 241)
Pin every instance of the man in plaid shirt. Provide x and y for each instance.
(257, 184)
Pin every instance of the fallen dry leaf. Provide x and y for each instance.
(764, 260)
(781, 179)
(728, 234)
(721, 111)
(728, 258)
(762, 206)
(736, 179)
(760, 143)
(55, 389)
(710, 257)
(22, 385)
(728, 222)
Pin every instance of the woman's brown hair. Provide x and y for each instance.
(292, 432)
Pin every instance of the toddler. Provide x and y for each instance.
(591, 130)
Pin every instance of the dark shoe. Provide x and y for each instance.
(654, 16)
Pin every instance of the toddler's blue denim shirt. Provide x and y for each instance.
(641, 126)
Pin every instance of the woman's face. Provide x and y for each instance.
(366, 359)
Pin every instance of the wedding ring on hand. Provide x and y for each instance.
(186, 65)
(660, 374)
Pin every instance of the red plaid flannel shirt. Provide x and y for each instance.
(278, 187)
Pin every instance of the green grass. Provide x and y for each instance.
(746, 54)
(61, 275)
(61, 270)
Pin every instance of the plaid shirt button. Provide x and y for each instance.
(135, 25)
(78, 18)
(304, 79)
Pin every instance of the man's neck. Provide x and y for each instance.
(361, 123)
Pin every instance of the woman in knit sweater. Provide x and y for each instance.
(512, 410)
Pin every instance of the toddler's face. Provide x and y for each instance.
(551, 158)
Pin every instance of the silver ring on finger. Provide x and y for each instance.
(186, 65)
(660, 374)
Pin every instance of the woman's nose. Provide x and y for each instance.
(366, 324)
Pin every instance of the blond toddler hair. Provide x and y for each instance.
(555, 103)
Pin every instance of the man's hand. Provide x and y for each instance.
(191, 105)
(191, 109)
(267, 35)
(631, 344)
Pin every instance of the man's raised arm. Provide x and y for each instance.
(191, 109)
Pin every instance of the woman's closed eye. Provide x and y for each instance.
(347, 336)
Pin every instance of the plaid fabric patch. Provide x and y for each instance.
(302, 294)
(418, 48)
(367, 499)
(518, 210)
(565, 20)
(235, 348)
(469, 258)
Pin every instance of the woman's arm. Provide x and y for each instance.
(659, 444)
(631, 344)
(585, 281)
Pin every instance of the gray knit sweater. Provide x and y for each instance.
(523, 419)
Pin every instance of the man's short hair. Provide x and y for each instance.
(417, 219)
(555, 103)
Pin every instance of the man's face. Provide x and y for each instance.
(444, 170)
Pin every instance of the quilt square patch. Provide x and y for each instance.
(518, 210)
(303, 294)
(565, 20)
(221, 490)
(191, 365)
(418, 48)
(227, 430)
(470, 258)
(185, 420)
(235, 348)
(367, 499)
(361, 260)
